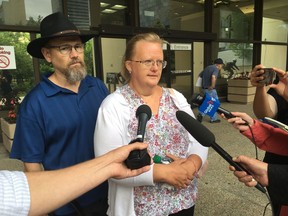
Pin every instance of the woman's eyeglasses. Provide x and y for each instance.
(149, 63)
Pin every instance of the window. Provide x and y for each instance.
(233, 20)
(113, 12)
(270, 56)
(78, 13)
(237, 58)
(172, 14)
(29, 12)
(275, 21)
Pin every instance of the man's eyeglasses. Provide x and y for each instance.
(67, 49)
(149, 63)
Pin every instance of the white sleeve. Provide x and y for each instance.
(14, 193)
(112, 132)
(195, 147)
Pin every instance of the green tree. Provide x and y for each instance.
(89, 57)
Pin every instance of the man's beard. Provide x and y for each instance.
(76, 73)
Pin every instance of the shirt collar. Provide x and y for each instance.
(51, 89)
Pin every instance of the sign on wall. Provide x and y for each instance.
(180, 46)
(7, 57)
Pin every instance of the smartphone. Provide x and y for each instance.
(269, 76)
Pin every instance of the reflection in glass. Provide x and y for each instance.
(234, 19)
(169, 14)
(113, 12)
(181, 73)
(270, 56)
(237, 58)
(275, 23)
(29, 12)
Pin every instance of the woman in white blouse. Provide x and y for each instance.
(167, 189)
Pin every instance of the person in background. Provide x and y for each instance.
(56, 120)
(209, 78)
(38, 193)
(167, 189)
(6, 80)
(272, 103)
(231, 67)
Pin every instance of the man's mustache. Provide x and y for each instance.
(76, 61)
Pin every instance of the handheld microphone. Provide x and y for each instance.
(209, 105)
(140, 158)
(143, 114)
(207, 139)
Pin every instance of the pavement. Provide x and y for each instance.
(220, 192)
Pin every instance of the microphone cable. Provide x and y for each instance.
(254, 141)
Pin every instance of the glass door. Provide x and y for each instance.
(185, 62)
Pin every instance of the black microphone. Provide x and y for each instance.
(143, 114)
(200, 98)
(206, 138)
(140, 158)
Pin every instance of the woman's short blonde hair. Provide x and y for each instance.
(129, 52)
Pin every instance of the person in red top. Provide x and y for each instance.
(270, 139)
(265, 136)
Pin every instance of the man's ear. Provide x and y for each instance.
(46, 53)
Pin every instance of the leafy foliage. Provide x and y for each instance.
(11, 102)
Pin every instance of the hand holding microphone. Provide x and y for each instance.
(209, 105)
(207, 138)
(242, 121)
(140, 158)
(258, 170)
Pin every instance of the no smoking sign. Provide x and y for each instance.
(4, 62)
(7, 57)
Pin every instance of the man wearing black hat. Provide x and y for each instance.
(56, 120)
(209, 77)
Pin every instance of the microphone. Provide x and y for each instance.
(140, 158)
(143, 114)
(207, 139)
(209, 105)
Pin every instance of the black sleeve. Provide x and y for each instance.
(282, 106)
(278, 183)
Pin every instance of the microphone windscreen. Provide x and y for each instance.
(144, 109)
(204, 136)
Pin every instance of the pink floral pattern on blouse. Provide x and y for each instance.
(164, 134)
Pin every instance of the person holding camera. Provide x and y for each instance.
(273, 141)
(272, 103)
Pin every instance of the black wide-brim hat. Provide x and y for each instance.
(53, 26)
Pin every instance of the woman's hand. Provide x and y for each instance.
(258, 170)
(241, 122)
(174, 174)
(256, 76)
(281, 87)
